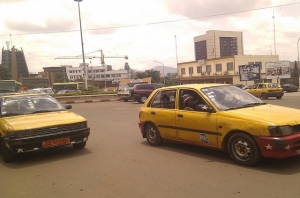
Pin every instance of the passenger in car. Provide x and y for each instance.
(188, 102)
(165, 101)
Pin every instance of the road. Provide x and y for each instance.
(117, 162)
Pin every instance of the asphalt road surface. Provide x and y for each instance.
(118, 162)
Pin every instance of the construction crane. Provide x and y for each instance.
(90, 57)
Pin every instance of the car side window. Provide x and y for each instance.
(190, 100)
(164, 99)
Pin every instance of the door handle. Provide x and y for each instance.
(180, 115)
(152, 112)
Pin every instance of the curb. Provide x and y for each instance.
(88, 101)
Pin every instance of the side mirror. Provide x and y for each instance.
(205, 108)
(68, 106)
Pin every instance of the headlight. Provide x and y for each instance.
(281, 130)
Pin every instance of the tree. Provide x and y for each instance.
(61, 78)
(5, 73)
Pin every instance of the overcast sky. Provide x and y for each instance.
(144, 30)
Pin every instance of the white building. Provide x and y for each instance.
(96, 73)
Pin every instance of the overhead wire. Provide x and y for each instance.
(155, 23)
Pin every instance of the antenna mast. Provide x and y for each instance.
(274, 32)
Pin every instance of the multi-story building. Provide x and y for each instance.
(102, 76)
(15, 60)
(223, 70)
(216, 44)
(218, 55)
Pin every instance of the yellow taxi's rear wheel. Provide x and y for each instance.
(243, 149)
(264, 96)
(152, 135)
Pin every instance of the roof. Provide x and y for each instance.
(196, 86)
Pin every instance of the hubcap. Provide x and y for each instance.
(241, 149)
(152, 134)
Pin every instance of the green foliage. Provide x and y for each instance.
(5, 73)
(61, 78)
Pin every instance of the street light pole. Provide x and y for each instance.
(298, 49)
(83, 59)
(163, 71)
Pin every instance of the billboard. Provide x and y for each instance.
(280, 69)
(249, 72)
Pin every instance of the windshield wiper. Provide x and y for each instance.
(254, 104)
(247, 105)
(41, 111)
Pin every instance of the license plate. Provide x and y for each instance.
(56, 142)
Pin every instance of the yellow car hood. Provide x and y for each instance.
(40, 120)
(277, 115)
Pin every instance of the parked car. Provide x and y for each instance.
(141, 92)
(265, 90)
(222, 117)
(68, 91)
(241, 86)
(35, 122)
(289, 88)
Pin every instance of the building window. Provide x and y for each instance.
(229, 66)
(208, 68)
(182, 70)
(250, 63)
(218, 67)
(89, 71)
(199, 69)
(191, 70)
(200, 50)
(102, 76)
(228, 46)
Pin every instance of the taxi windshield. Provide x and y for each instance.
(230, 97)
(28, 104)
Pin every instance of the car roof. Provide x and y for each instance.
(196, 86)
(22, 94)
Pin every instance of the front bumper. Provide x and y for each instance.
(34, 143)
(279, 147)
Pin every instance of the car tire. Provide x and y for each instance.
(80, 145)
(243, 149)
(278, 97)
(7, 155)
(125, 100)
(143, 99)
(152, 135)
(264, 96)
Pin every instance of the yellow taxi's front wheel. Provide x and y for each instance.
(7, 155)
(152, 135)
(243, 149)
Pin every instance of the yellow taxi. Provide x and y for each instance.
(222, 117)
(265, 90)
(34, 122)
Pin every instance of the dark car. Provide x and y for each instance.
(141, 92)
(289, 88)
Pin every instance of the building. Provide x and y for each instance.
(216, 44)
(52, 72)
(223, 69)
(104, 77)
(15, 60)
(218, 55)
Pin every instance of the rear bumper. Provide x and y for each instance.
(34, 143)
(141, 127)
(279, 147)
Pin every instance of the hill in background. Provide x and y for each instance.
(167, 69)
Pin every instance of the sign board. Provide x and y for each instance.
(201, 62)
(249, 72)
(280, 69)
